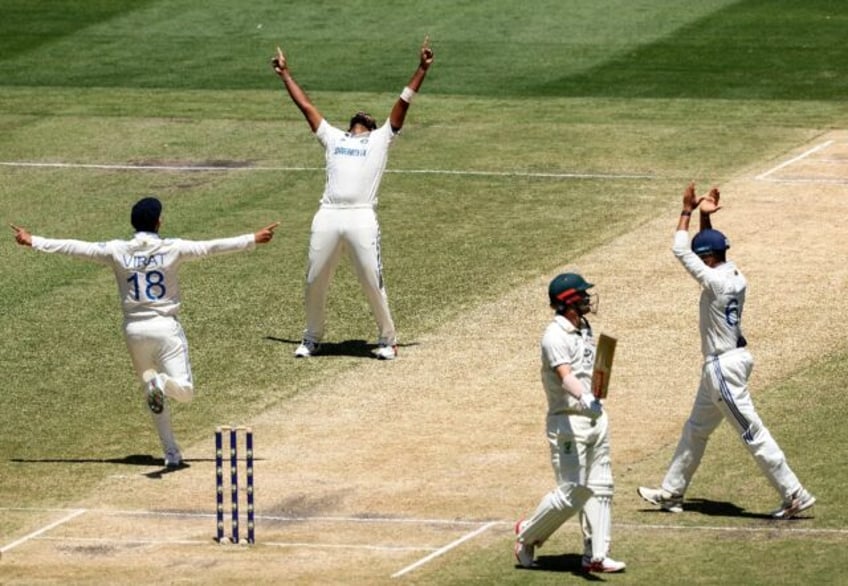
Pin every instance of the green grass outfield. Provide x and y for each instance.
(634, 97)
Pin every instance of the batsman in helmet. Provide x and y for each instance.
(577, 431)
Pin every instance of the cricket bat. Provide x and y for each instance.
(604, 353)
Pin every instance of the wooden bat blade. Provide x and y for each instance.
(604, 353)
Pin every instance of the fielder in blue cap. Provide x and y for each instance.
(723, 390)
(145, 214)
(145, 268)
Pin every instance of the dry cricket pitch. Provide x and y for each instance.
(392, 467)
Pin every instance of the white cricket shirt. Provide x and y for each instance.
(562, 343)
(722, 298)
(145, 267)
(355, 164)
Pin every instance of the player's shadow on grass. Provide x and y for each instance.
(145, 460)
(713, 509)
(567, 563)
(354, 348)
(131, 460)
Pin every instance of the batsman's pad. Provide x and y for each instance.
(556, 508)
(596, 519)
(600, 480)
(596, 522)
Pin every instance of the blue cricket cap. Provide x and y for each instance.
(707, 241)
(145, 214)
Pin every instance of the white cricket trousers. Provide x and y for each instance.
(159, 343)
(580, 455)
(336, 229)
(580, 449)
(723, 393)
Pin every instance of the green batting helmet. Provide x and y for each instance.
(567, 289)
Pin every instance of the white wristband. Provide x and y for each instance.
(407, 94)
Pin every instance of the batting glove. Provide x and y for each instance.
(591, 406)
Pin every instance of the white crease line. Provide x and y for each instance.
(284, 518)
(807, 153)
(444, 549)
(346, 546)
(370, 520)
(291, 518)
(528, 174)
(138, 541)
(46, 528)
(783, 529)
(127, 167)
(38, 509)
(130, 541)
(807, 181)
(123, 167)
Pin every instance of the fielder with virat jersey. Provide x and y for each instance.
(723, 390)
(145, 269)
(346, 219)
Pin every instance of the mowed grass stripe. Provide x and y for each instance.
(219, 45)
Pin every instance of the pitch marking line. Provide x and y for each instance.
(444, 549)
(72, 515)
(525, 174)
(371, 520)
(283, 518)
(811, 181)
(783, 531)
(281, 544)
(804, 155)
(219, 168)
(401, 548)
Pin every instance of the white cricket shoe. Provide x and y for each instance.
(155, 390)
(386, 352)
(604, 566)
(525, 553)
(800, 501)
(306, 349)
(173, 459)
(658, 496)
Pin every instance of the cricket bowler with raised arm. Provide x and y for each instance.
(346, 219)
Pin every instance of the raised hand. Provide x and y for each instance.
(709, 202)
(690, 200)
(426, 53)
(278, 62)
(265, 234)
(22, 235)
